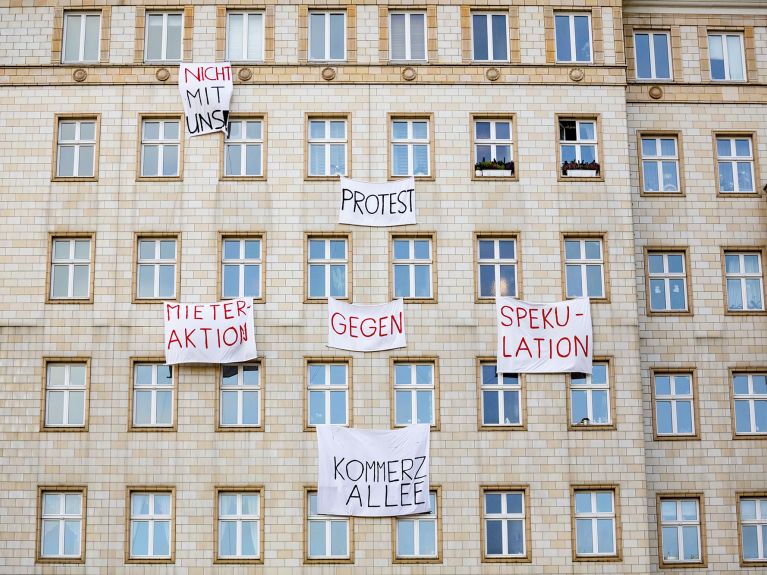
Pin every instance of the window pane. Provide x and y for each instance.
(161, 538)
(252, 281)
(480, 36)
(167, 249)
(338, 538)
(742, 417)
(754, 293)
(167, 281)
(690, 542)
(233, 160)
(66, 163)
(143, 408)
(428, 536)
(734, 295)
(716, 55)
(398, 37)
(745, 181)
(494, 537)
(317, 281)
(735, 57)
(250, 408)
(338, 407)
(572, 249)
(684, 416)
(227, 504)
(584, 542)
(250, 538)
(401, 281)
(490, 411)
(228, 408)
(170, 160)
(760, 416)
(423, 399)
(642, 42)
(400, 160)
(499, 37)
(401, 249)
(650, 176)
(139, 538)
(85, 161)
(60, 287)
(255, 41)
(235, 37)
(605, 534)
(173, 44)
(676, 288)
(670, 180)
(337, 159)
(516, 537)
(76, 407)
(663, 416)
(657, 295)
(405, 538)
(563, 38)
(604, 502)
(420, 160)
(579, 406)
(751, 542)
(670, 544)
(582, 43)
(482, 129)
(661, 56)
(487, 281)
(417, 37)
(423, 281)
(338, 374)
(583, 502)
(72, 37)
(163, 410)
(511, 407)
(72, 538)
(337, 36)
(600, 407)
(317, 160)
(317, 33)
(594, 281)
(316, 538)
(403, 408)
(231, 281)
(51, 537)
(55, 408)
(316, 407)
(574, 286)
(154, 37)
(227, 538)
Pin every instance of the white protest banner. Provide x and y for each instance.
(209, 333)
(387, 204)
(544, 338)
(205, 90)
(373, 473)
(365, 327)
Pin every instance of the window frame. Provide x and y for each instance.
(246, 117)
(517, 262)
(312, 116)
(435, 404)
(598, 144)
(349, 265)
(741, 251)
(392, 117)
(747, 371)
(668, 250)
(81, 45)
(326, 12)
(238, 490)
(241, 427)
(740, 32)
(679, 497)
(433, 262)
(755, 174)
(139, 236)
(437, 516)
(49, 360)
(165, 12)
(612, 424)
(150, 490)
(42, 490)
(526, 509)
(570, 14)
(658, 135)
(590, 236)
(57, 119)
(407, 11)
(653, 78)
(483, 117)
(488, 12)
(134, 361)
(481, 425)
(740, 495)
(142, 118)
(617, 530)
(53, 236)
(307, 560)
(224, 236)
(328, 360)
(247, 12)
(672, 372)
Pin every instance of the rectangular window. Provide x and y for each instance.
(70, 268)
(573, 37)
(82, 37)
(578, 148)
(660, 164)
(753, 528)
(493, 147)
(594, 523)
(407, 36)
(243, 149)
(584, 267)
(497, 267)
(66, 388)
(153, 390)
(328, 141)
(76, 148)
(414, 393)
(743, 274)
(239, 525)
(504, 519)
(160, 146)
(61, 525)
(240, 397)
(668, 281)
(653, 55)
(156, 268)
(327, 393)
(735, 164)
(680, 526)
(327, 36)
(151, 525)
(750, 403)
(245, 36)
(417, 535)
(328, 537)
(725, 52)
(590, 397)
(412, 260)
(489, 32)
(164, 34)
(501, 397)
(328, 263)
(241, 263)
(674, 405)
(410, 147)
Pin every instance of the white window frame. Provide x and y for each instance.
(678, 524)
(734, 160)
(667, 276)
(327, 262)
(496, 262)
(651, 43)
(420, 522)
(326, 390)
(164, 44)
(726, 57)
(239, 389)
(410, 141)
(412, 388)
(571, 22)
(590, 387)
(583, 262)
(504, 517)
(239, 518)
(411, 263)
(593, 516)
(246, 16)
(751, 398)
(244, 143)
(242, 262)
(326, 143)
(328, 520)
(66, 388)
(409, 38)
(78, 144)
(499, 389)
(82, 17)
(490, 38)
(673, 399)
(62, 517)
(156, 262)
(151, 518)
(578, 143)
(759, 522)
(657, 160)
(741, 276)
(70, 263)
(326, 57)
(161, 143)
(153, 388)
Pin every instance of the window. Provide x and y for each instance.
(243, 149)
(164, 33)
(328, 535)
(680, 527)
(594, 523)
(501, 397)
(156, 268)
(490, 37)
(753, 527)
(327, 36)
(407, 36)
(151, 528)
(61, 525)
(578, 148)
(241, 263)
(584, 267)
(590, 397)
(493, 147)
(750, 400)
(328, 261)
(65, 394)
(82, 35)
(76, 148)
(70, 268)
(497, 274)
(414, 393)
(239, 525)
(504, 526)
(417, 535)
(245, 36)
(725, 53)
(668, 281)
(653, 55)
(660, 164)
(240, 396)
(743, 274)
(674, 405)
(412, 263)
(735, 163)
(160, 146)
(328, 393)
(152, 395)
(573, 37)
(410, 148)
(327, 147)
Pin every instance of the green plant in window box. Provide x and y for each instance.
(580, 169)
(494, 168)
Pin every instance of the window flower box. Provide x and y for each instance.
(494, 169)
(580, 169)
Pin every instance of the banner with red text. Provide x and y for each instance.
(209, 333)
(366, 327)
(544, 338)
(373, 473)
(386, 204)
(206, 90)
